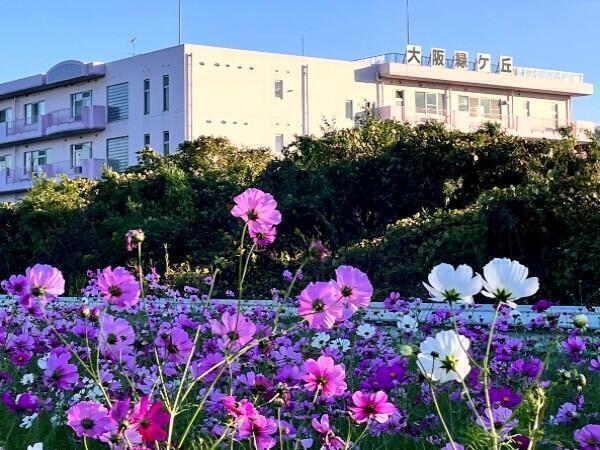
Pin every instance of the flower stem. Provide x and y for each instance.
(439, 413)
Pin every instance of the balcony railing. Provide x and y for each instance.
(400, 58)
(533, 127)
(21, 178)
(55, 123)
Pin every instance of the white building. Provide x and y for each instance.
(79, 117)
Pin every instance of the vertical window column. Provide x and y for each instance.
(146, 97)
(166, 88)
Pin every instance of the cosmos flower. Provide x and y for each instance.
(44, 282)
(262, 236)
(505, 397)
(506, 281)
(151, 419)
(259, 430)
(235, 330)
(371, 407)
(118, 287)
(319, 305)
(257, 208)
(444, 358)
(328, 438)
(174, 345)
(59, 372)
(588, 437)
(354, 289)
(325, 376)
(116, 337)
(453, 285)
(89, 419)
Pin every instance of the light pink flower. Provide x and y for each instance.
(235, 330)
(354, 288)
(256, 208)
(319, 305)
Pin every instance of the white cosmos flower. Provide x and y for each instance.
(407, 324)
(27, 379)
(455, 285)
(28, 420)
(444, 358)
(37, 446)
(343, 345)
(366, 330)
(506, 280)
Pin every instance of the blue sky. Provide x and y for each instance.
(553, 34)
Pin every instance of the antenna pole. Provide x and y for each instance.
(407, 23)
(302, 45)
(179, 22)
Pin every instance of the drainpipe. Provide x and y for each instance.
(304, 92)
(188, 97)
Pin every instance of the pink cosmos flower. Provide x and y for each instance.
(354, 288)
(262, 236)
(257, 208)
(324, 375)
(133, 238)
(174, 345)
(125, 435)
(116, 337)
(259, 430)
(89, 419)
(59, 372)
(371, 406)
(151, 419)
(44, 282)
(119, 287)
(241, 409)
(328, 438)
(235, 330)
(319, 305)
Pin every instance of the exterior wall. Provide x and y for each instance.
(233, 94)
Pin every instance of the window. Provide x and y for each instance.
(33, 111)
(428, 103)
(79, 152)
(6, 115)
(147, 140)
(279, 142)
(555, 115)
(165, 92)
(349, 110)
(279, 89)
(117, 153)
(146, 97)
(117, 102)
(463, 103)
(399, 98)
(33, 160)
(78, 102)
(6, 163)
(165, 143)
(527, 109)
(489, 108)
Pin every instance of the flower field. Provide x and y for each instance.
(138, 364)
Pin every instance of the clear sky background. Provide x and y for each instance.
(552, 34)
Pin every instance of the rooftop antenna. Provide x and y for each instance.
(302, 44)
(407, 23)
(132, 42)
(180, 18)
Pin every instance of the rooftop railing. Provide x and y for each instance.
(400, 58)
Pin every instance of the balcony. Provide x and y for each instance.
(55, 124)
(527, 127)
(20, 179)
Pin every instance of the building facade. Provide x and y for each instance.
(79, 117)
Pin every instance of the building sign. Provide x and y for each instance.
(437, 58)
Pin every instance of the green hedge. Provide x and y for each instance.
(390, 198)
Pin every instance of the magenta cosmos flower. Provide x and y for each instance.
(588, 437)
(325, 376)
(235, 330)
(328, 438)
(354, 288)
(259, 430)
(257, 208)
(371, 406)
(319, 305)
(89, 419)
(44, 282)
(119, 287)
(15, 285)
(151, 419)
(262, 236)
(116, 337)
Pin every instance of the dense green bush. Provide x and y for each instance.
(390, 198)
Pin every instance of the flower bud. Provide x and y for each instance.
(85, 311)
(405, 350)
(580, 321)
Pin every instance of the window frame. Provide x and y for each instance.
(146, 85)
(166, 92)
